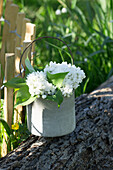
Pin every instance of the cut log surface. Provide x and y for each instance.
(88, 147)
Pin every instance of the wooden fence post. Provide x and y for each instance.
(17, 59)
(19, 22)
(18, 109)
(25, 20)
(12, 16)
(1, 10)
(8, 92)
(5, 35)
(30, 31)
(27, 53)
(30, 35)
(8, 95)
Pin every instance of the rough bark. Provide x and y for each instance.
(88, 147)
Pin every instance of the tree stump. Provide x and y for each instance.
(88, 147)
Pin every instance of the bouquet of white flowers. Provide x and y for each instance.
(40, 85)
(53, 83)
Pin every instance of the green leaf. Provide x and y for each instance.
(56, 98)
(6, 126)
(15, 82)
(27, 72)
(29, 66)
(56, 79)
(22, 95)
(27, 102)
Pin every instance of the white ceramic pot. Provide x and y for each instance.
(44, 118)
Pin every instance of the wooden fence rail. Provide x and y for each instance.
(17, 33)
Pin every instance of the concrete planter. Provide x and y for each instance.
(44, 118)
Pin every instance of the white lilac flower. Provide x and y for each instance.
(44, 96)
(38, 85)
(64, 10)
(58, 12)
(85, 59)
(71, 80)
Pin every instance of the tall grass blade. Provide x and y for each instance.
(85, 85)
(73, 5)
(6, 127)
(95, 53)
(61, 55)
